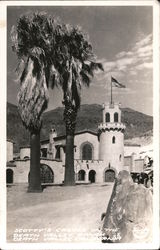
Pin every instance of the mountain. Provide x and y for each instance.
(89, 116)
(15, 128)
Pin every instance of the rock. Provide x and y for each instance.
(129, 214)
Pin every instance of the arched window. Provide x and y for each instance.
(9, 175)
(116, 117)
(81, 175)
(87, 152)
(113, 139)
(107, 117)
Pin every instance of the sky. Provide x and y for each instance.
(121, 37)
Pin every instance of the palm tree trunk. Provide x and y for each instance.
(70, 114)
(69, 179)
(34, 178)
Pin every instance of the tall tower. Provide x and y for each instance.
(51, 148)
(111, 130)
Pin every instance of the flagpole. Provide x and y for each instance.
(111, 90)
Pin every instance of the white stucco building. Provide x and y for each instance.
(98, 156)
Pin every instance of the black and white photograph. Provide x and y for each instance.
(81, 136)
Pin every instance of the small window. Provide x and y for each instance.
(107, 117)
(113, 140)
(44, 152)
(116, 117)
(120, 157)
(58, 154)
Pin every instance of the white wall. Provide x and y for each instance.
(24, 152)
(87, 166)
(111, 109)
(21, 171)
(58, 169)
(84, 138)
(9, 151)
(129, 149)
(110, 152)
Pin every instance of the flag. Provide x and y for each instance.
(116, 83)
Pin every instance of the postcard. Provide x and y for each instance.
(79, 125)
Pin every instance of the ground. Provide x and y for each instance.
(74, 212)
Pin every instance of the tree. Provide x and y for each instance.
(74, 64)
(33, 40)
(50, 54)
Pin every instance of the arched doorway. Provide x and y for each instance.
(109, 175)
(81, 175)
(9, 176)
(92, 176)
(47, 174)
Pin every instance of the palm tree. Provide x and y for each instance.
(74, 64)
(33, 40)
(51, 54)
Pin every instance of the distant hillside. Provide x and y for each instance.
(146, 139)
(89, 116)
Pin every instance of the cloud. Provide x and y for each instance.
(139, 57)
(124, 53)
(146, 40)
(145, 65)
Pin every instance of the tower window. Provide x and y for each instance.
(113, 139)
(120, 157)
(116, 117)
(107, 117)
(87, 152)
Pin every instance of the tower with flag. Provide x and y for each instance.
(111, 135)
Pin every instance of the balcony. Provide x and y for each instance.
(111, 126)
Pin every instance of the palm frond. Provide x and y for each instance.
(85, 79)
(32, 98)
(54, 54)
(96, 66)
(54, 78)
